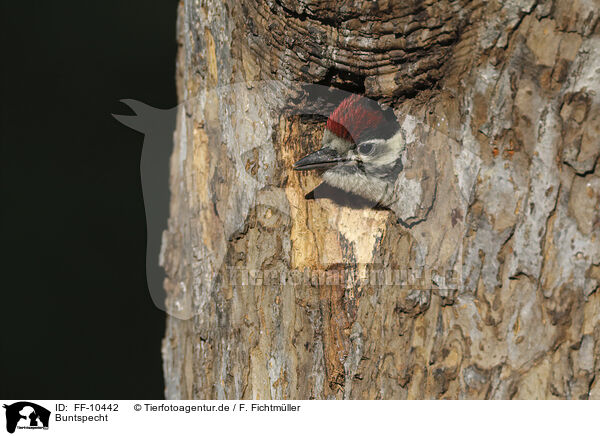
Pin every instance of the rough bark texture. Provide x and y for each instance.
(513, 84)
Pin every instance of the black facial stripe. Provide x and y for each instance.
(346, 169)
(360, 165)
(386, 172)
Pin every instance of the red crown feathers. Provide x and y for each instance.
(353, 117)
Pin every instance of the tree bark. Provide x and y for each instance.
(508, 104)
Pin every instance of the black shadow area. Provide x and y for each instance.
(76, 317)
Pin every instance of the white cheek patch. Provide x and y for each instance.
(386, 153)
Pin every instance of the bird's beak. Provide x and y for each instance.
(320, 159)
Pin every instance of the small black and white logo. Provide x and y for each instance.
(26, 415)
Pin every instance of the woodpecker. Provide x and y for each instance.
(362, 151)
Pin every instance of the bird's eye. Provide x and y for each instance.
(365, 148)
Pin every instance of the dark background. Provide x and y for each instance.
(76, 316)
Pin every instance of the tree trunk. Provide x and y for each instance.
(271, 295)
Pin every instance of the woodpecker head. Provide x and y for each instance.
(362, 150)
